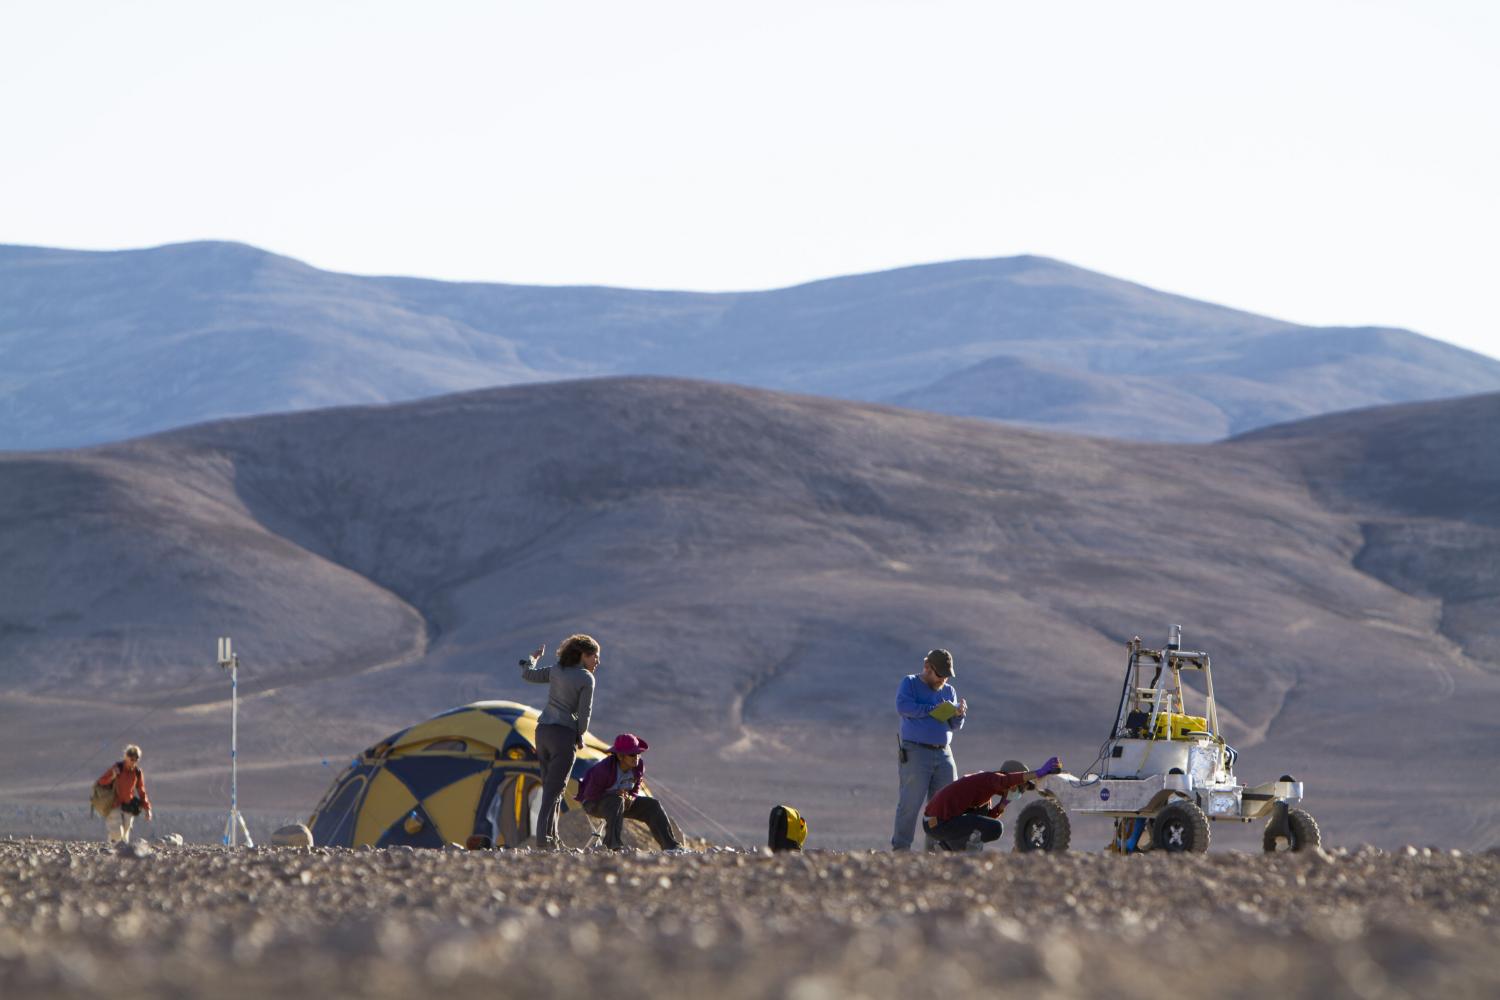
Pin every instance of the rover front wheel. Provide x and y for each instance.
(1180, 828)
(1302, 833)
(1043, 826)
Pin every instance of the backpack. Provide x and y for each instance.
(102, 799)
(788, 829)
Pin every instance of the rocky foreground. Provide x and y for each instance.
(81, 920)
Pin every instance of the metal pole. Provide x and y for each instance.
(235, 824)
(234, 745)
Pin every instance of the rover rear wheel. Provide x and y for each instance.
(1180, 828)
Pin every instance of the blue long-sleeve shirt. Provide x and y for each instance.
(915, 702)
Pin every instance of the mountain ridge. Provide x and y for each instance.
(108, 345)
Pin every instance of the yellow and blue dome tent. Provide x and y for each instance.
(471, 771)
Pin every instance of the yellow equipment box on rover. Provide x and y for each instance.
(1181, 726)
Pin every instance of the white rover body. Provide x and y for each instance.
(1164, 774)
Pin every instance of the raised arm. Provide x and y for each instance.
(533, 673)
(1010, 780)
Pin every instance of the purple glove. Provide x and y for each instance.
(1051, 767)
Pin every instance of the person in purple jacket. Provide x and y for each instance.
(611, 791)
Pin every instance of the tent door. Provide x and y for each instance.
(513, 811)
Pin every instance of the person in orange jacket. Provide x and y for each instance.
(129, 783)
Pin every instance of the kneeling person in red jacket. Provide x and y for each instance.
(610, 790)
(960, 815)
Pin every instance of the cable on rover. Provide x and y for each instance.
(1084, 780)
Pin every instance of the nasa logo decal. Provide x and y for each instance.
(1104, 794)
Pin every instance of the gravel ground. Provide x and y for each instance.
(76, 822)
(77, 919)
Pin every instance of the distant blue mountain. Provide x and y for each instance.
(97, 347)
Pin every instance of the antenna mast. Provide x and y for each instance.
(235, 824)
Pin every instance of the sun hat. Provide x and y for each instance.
(628, 743)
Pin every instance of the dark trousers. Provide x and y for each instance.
(954, 834)
(555, 751)
(613, 810)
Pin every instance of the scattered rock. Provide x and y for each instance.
(135, 850)
(170, 840)
(734, 925)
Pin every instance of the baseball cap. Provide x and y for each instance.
(942, 662)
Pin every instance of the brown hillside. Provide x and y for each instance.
(761, 570)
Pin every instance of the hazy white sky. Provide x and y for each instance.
(1324, 162)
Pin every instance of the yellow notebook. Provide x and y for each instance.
(944, 711)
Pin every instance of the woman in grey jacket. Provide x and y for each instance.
(559, 731)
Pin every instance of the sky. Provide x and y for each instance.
(1328, 162)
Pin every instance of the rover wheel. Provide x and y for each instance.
(1180, 828)
(1303, 830)
(1043, 826)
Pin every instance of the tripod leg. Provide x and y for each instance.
(244, 829)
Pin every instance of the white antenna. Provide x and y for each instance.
(235, 825)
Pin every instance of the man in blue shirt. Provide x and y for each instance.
(931, 712)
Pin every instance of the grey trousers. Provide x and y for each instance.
(555, 751)
(923, 774)
(613, 810)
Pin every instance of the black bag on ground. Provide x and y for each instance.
(788, 829)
